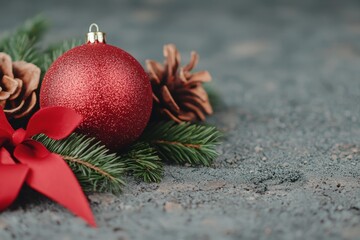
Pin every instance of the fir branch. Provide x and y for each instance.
(142, 161)
(184, 143)
(93, 165)
(21, 44)
(21, 47)
(56, 51)
(34, 28)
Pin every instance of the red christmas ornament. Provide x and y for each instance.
(106, 85)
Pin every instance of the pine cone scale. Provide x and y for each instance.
(194, 60)
(15, 107)
(169, 100)
(173, 59)
(155, 98)
(186, 116)
(196, 91)
(198, 103)
(4, 95)
(18, 90)
(195, 109)
(155, 70)
(8, 84)
(28, 105)
(6, 65)
(203, 76)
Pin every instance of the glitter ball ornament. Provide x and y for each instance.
(106, 85)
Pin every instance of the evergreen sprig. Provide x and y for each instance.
(143, 162)
(21, 44)
(34, 28)
(95, 168)
(54, 52)
(21, 47)
(183, 143)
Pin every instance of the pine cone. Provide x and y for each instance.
(18, 82)
(178, 94)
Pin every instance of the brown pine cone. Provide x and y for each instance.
(178, 94)
(18, 82)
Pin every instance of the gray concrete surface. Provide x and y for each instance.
(288, 73)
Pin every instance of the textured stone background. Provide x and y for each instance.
(288, 73)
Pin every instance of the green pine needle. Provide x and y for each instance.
(142, 161)
(184, 143)
(55, 52)
(21, 47)
(34, 28)
(21, 44)
(95, 168)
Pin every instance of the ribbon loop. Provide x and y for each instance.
(55, 122)
(42, 170)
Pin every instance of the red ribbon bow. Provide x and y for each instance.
(31, 162)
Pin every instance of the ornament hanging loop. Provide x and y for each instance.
(94, 25)
(95, 37)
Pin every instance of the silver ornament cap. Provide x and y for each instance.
(95, 36)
